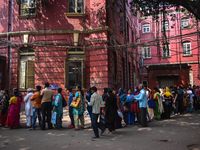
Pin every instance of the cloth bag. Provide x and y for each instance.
(151, 104)
(135, 107)
(64, 103)
(53, 118)
(75, 103)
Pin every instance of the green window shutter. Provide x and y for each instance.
(30, 66)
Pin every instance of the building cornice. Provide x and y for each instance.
(194, 62)
(105, 28)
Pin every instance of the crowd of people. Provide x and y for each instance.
(105, 111)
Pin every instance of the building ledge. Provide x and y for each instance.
(146, 32)
(189, 55)
(165, 30)
(167, 75)
(75, 14)
(167, 66)
(166, 57)
(147, 58)
(26, 16)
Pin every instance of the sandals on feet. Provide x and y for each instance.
(75, 129)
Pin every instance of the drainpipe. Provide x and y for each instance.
(10, 47)
(125, 30)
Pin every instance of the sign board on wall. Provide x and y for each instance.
(53, 87)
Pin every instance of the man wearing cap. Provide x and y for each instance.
(28, 107)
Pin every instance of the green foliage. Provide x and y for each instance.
(100, 12)
(154, 7)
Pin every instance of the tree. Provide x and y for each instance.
(153, 7)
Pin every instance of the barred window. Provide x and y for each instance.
(75, 68)
(166, 50)
(147, 52)
(166, 26)
(76, 6)
(185, 23)
(146, 28)
(28, 7)
(186, 48)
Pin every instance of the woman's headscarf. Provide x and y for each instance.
(167, 93)
(121, 91)
(137, 91)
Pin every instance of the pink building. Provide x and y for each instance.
(67, 42)
(175, 64)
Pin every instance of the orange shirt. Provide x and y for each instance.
(36, 100)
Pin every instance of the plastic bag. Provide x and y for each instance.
(53, 118)
(120, 114)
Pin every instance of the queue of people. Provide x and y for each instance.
(142, 105)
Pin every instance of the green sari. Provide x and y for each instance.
(57, 103)
(157, 114)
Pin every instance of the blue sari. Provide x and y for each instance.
(130, 115)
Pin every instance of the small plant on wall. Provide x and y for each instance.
(100, 12)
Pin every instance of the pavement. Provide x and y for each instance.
(181, 132)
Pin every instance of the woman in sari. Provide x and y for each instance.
(58, 108)
(110, 111)
(167, 96)
(78, 112)
(15, 107)
(118, 120)
(124, 102)
(159, 107)
(89, 108)
(131, 115)
(137, 91)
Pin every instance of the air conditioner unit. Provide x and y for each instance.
(185, 24)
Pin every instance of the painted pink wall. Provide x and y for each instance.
(175, 43)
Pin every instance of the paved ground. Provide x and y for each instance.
(178, 133)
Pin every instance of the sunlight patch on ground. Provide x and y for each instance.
(50, 133)
(142, 129)
(60, 134)
(188, 124)
(169, 120)
(20, 139)
(25, 148)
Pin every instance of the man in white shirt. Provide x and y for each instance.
(28, 107)
(96, 102)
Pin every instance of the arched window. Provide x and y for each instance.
(186, 48)
(26, 68)
(75, 68)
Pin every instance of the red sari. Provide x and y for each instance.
(14, 112)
